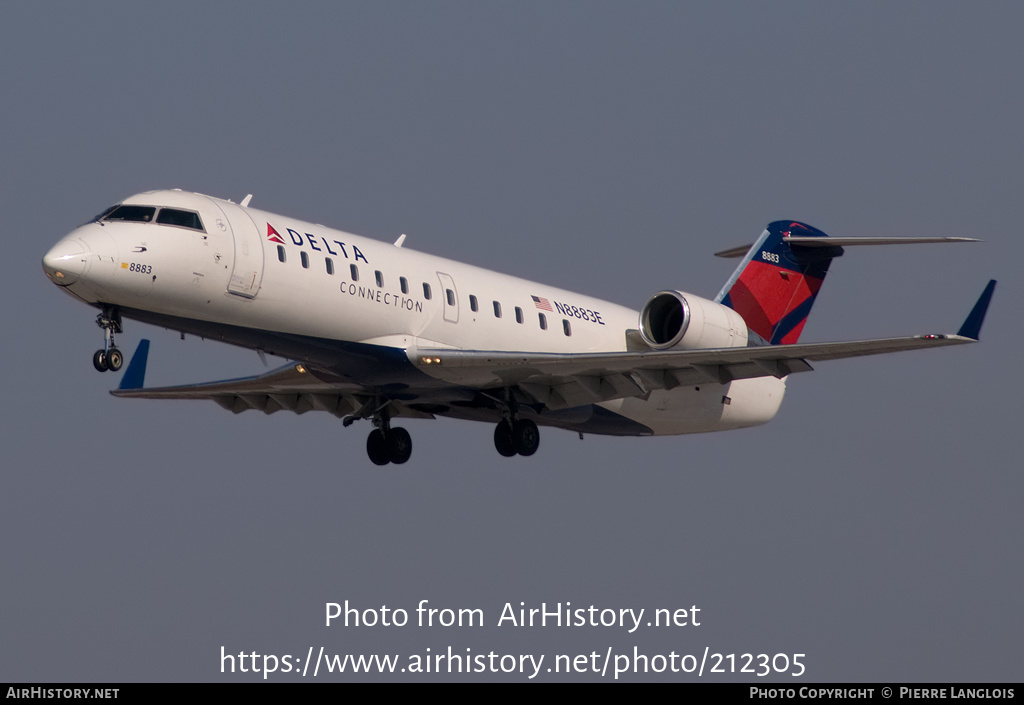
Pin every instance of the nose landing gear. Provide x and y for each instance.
(109, 358)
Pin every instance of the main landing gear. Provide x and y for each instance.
(385, 444)
(109, 358)
(513, 435)
(391, 446)
(519, 437)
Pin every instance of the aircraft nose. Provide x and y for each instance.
(66, 262)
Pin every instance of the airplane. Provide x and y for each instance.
(375, 331)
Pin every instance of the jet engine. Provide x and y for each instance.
(674, 319)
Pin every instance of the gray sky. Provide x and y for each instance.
(609, 148)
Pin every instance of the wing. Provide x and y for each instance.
(552, 380)
(292, 387)
(565, 380)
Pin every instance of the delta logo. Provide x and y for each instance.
(273, 235)
(318, 243)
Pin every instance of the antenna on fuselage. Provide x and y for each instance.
(400, 240)
(245, 201)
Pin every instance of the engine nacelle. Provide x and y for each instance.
(673, 319)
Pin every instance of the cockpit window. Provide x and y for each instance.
(183, 219)
(135, 214)
(144, 214)
(105, 213)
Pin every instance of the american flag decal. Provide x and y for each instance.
(541, 303)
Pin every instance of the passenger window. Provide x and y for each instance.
(497, 310)
(182, 219)
(355, 272)
(380, 278)
(519, 315)
(305, 260)
(405, 284)
(329, 263)
(473, 303)
(566, 328)
(135, 214)
(426, 290)
(280, 253)
(450, 296)
(543, 321)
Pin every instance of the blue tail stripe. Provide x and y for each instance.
(792, 319)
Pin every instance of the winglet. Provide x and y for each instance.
(972, 325)
(135, 375)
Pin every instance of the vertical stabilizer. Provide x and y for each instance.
(775, 285)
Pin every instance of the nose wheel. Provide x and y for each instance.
(104, 360)
(109, 358)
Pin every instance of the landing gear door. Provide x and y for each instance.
(247, 267)
(450, 296)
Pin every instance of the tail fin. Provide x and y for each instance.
(775, 285)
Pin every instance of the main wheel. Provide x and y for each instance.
(399, 445)
(99, 361)
(503, 439)
(525, 437)
(376, 448)
(114, 359)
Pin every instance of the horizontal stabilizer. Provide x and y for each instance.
(734, 252)
(854, 241)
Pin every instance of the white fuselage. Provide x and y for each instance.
(267, 281)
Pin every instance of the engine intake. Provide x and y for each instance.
(664, 319)
(673, 319)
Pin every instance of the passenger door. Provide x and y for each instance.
(247, 267)
(450, 297)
